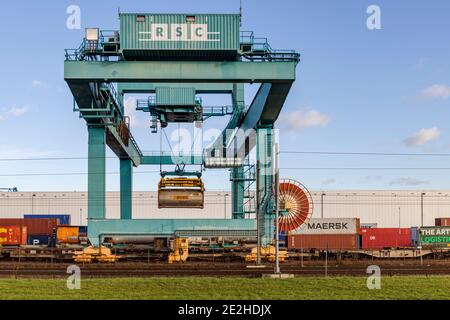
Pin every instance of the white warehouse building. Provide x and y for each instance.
(387, 208)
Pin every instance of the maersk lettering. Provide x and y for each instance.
(328, 226)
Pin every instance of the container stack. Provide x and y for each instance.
(39, 231)
(442, 222)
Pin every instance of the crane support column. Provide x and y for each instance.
(238, 183)
(96, 173)
(237, 190)
(264, 154)
(126, 189)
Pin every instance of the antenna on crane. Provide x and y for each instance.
(240, 12)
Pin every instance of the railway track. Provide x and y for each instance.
(28, 270)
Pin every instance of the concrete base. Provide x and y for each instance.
(256, 266)
(278, 276)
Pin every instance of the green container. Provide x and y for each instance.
(213, 37)
(435, 237)
(175, 96)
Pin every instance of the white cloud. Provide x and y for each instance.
(373, 178)
(436, 91)
(13, 112)
(39, 84)
(405, 182)
(302, 119)
(422, 137)
(130, 111)
(329, 181)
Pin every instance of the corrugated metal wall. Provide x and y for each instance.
(223, 32)
(166, 96)
(145, 206)
(388, 208)
(380, 207)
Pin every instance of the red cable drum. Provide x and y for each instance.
(297, 204)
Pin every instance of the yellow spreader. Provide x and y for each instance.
(181, 192)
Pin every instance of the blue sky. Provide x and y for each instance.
(358, 90)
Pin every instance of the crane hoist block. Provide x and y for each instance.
(181, 192)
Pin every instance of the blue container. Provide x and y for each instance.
(63, 219)
(415, 237)
(39, 240)
(283, 239)
(82, 230)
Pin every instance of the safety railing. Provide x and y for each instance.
(95, 49)
(259, 49)
(217, 111)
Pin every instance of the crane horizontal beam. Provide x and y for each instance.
(201, 88)
(169, 71)
(171, 160)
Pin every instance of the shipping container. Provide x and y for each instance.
(415, 237)
(36, 240)
(13, 235)
(68, 234)
(379, 238)
(83, 230)
(324, 242)
(335, 226)
(166, 96)
(369, 225)
(63, 219)
(180, 36)
(435, 237)
(34, 226)
(442, 222)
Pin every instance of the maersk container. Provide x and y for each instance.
(63, 219)
(180, 36)
(166, 96)
(308, 242)
(330, 226)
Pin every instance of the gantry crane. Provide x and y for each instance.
(174, 58)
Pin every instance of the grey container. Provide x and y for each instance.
(166, 96)
(212, 37)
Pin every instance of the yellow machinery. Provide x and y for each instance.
(91, 254)
(180, 250)
(181, 192)
(267, 254)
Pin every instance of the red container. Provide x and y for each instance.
(13, 236)
(37, 227)
(380, 238)
(442, 222)
(324, 241)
